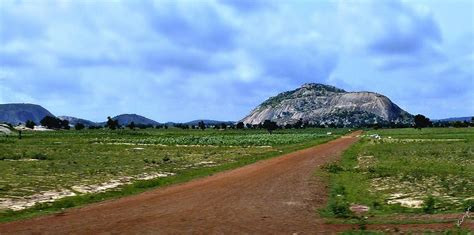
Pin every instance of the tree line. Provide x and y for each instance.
(420, 121)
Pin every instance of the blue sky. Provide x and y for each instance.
(218, 59)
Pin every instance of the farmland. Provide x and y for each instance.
(73, 168)
(404, 171)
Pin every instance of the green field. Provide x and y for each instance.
(405, 171)
(93, 165)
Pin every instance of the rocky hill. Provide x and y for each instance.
(125, 119)
(323, 104)
(20, 113)
(455, 119)
(74, 120)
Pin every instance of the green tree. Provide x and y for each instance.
(421, 121)
(79, 126)
(54, 123)
(223, 126)
(240, 125)
(65, 124)
(270, 126)
(30, 124)
(298, 124)
(201, 125)
(131, 125)
(112, 124)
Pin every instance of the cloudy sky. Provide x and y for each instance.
(218, 59)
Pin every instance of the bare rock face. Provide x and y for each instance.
(323, 104)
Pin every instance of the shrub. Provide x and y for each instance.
(429, 205)
(469, 204)
(339, 207)
(79, 126)
(333, 168)
(30, 124)
(54, 123)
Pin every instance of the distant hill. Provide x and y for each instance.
(73, 121)
(208, 122)
(324, 104)
(454, 119)
(125, 119)
(20, 113)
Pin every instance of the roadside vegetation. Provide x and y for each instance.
(48, 171)
(402, 172)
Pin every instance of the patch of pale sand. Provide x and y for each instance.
(404, 200)
(398, 195)
(21, 203)
(365, 162)
(29, 201)
(22, 160)
(150, 176)
(204, 163)
(407, 202)
(98, 187)
(115, 183)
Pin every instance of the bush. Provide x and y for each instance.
(30, 124)
(79, 126)
(54, 123)
(339, 207)
(333, 168)
(429, 205)
(469, 204)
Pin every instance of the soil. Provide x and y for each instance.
(275, 196)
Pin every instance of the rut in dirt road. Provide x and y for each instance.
(278, 195)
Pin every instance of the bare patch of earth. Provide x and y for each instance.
(22, 203)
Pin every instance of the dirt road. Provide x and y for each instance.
(275, 196)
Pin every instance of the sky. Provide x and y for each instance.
(218, 59)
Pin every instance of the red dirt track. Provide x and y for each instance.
(275, 196)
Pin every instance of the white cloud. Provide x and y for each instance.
(179, 60)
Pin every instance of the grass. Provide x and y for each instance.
(61, 160)
(406, 171)
(448, 232)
